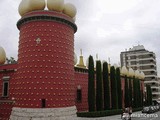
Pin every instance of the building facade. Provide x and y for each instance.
(140, 58)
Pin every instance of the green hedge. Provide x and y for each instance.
(103, 113)
(137, 109)
(99, 113)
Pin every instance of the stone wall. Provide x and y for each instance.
(67, 113)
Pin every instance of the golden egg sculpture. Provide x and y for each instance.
(24, 7)
(142, 75)
(37, 5)
(124, 71)
(131, 72)
(2, 56)
(137, 73)
(74, 19)
(70, 10)
(55, 5)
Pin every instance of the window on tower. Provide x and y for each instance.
(43, 103)
(79, 94)
(5, 90)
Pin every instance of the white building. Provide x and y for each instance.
(140, 58)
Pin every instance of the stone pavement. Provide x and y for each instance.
(114, 117)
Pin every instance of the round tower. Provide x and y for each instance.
(45, 74)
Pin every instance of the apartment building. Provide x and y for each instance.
(140, 58)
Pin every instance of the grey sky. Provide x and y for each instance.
(105, 27)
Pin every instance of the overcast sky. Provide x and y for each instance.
(105, 27)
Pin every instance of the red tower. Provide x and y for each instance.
(45, 74)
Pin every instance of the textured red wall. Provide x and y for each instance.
(45, 69)
(81, 78)
(6, 103)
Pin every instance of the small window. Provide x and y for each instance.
(79, 94)
(43, 103)
(5, 90)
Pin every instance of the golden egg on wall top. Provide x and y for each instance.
(2, 56)
(55, 5)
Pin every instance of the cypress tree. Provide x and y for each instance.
(106, 86)
(99, 97)
(113, 84)
(91, 85)
(126, 99)
(149, 95)
(139, 93)
(130, 92)
(142, 97)
(119, 90)
(135, 94)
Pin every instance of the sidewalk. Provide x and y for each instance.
(114, 117)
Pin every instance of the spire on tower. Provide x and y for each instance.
(109, 60)
(81, 51)
(81, 63)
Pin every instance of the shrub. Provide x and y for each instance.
(99, 113)
(91, 85)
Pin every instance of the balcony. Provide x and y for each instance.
(150, 75)
(141, 59)
(148, 70)
(155, 87)
(142, 53)
(147, 64)
(141, 65)
(155, 93)
(152, 83)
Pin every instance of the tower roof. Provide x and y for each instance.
(81, 63)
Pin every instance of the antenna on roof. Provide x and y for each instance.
(109, 60)
(81, 51)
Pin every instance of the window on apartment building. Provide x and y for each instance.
(5, 90)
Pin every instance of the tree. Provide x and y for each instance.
(99, 96)
(91, 85)
(119, 90)
(126, 95)
(113, 85)
(139, 93)
(142, 97)
(135, 94)
(11, 60)
(106, 86)
(130, 92)
(149, 95)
